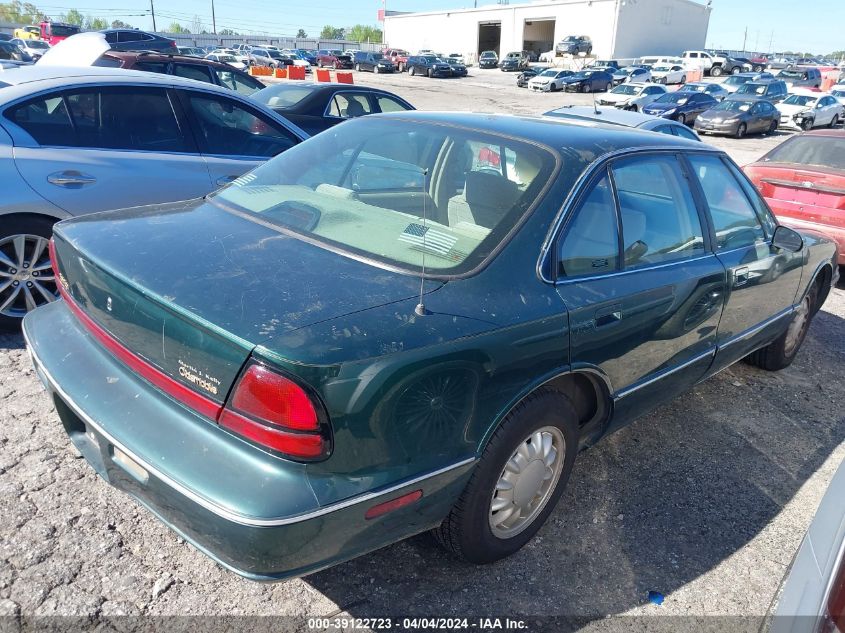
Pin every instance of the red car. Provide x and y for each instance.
(334, 59)
(803, 181)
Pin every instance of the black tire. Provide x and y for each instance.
(834, 121)
(741, 130)
(780, 353)
(37, 225)
(586, 88)
(334, 65)
(773, 127)
(758, 69)
(736, 70)
(807, 125)
(430, 73)
(466, 531)
(412, 71)
(716, 71)
(375, 70)
(682, 119)
(357, 67)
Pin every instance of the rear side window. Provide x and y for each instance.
(192, 71)
(660, 222)
(45, 119)
(734, 218)
(388, 104)
(240, 83)
(227, 128)
(590, 245)
(349, 106)
(152, 67)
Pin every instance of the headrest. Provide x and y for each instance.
(489, 190)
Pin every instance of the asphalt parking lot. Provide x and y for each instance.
(703, 502)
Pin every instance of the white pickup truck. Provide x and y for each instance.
(716, 65)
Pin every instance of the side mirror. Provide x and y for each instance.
(787, 239)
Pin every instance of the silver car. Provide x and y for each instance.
(82, 140)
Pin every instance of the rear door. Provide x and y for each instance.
(233, 137)
(106, 147)
(643, 289)
(762, 280)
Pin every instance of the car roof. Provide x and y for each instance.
(576, 134)
(25, 80)
(825, 132)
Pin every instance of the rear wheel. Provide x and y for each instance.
(834, 121)
(716, 71)
(780, 353)
(401, 67)
(517, 481)
(682, 119)
(683, 79)
(26, 279)
(741, 130)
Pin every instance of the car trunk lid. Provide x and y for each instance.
(817, 196)
(191, 289)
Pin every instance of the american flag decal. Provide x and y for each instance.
(437, 241)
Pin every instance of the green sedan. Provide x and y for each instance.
(409, 322)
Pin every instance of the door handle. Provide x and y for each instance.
(609, 316)
(741, 276)
(70, 178)
(226, 180)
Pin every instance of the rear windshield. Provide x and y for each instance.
(800, 100)
(752, 88)
(820, 151)
(399, 192)
(733, 106)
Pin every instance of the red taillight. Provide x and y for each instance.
(266, 395)
(54, 264)
(835, 615)
(276, 413)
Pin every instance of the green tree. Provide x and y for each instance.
(228, 32)
(74, 17)
(175, 27)
(120, 24)
(95, 24)
(301, 34)
(364, 33)
(331, 33)
(21, 12)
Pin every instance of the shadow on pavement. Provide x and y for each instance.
(651, 507)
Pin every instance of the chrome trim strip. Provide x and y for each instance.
(210, 505)
(616, 273)
(667, 372)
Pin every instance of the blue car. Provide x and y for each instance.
(682, 107)
(307, 55)
(588, 81)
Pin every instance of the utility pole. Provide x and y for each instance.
(744, 38)
(771, 39)
(213, 19)
(153, 12)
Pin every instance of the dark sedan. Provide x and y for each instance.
(317, 107)
(395, 327)
(427, 65)
(588, 81)
(488, 59)
(738, 118)
(458, 69)
(134, 40)
(682, 107)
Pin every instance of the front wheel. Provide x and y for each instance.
(517, 481)
(682, 119)
(834, 121)
(401, 67)
(736, 70)
(758, 69)
(585, 88)
(807, 125)
(741, 130)
(26, 278)
(780, 353)
(430, 73)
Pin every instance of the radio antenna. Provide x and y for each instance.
(420, 309)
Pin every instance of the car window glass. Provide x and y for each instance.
(242, 84)
(129, 36)
(45, 119)
(125, 118)
(229, 129)
(590, 244)
(663, 129)
(200, 73)
(349, 105)
(152, 67)
(684, 132)
(734, 219)
(659, 219)
(388, 104)
(111, 38)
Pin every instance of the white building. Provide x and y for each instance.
(619, 28)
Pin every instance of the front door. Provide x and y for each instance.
(643, 302)
(763, 280)
(107, 147)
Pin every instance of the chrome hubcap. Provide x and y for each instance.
(26, 279)
(527, 482)
(795, 332)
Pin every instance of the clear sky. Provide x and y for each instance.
(812, 25)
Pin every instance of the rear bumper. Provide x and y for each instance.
(716, 128)
(253, 513)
